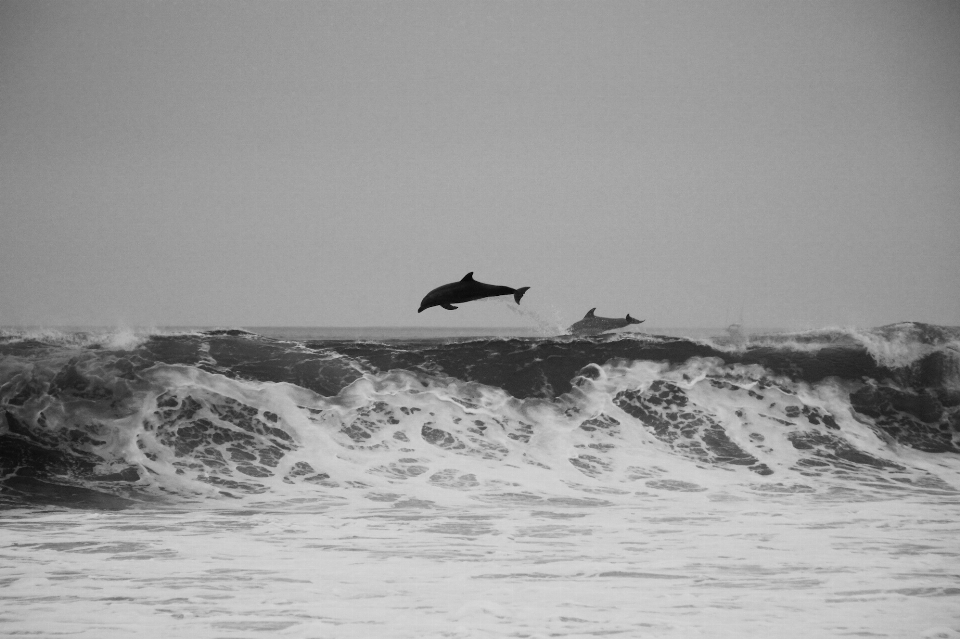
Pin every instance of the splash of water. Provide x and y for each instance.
(545, 327)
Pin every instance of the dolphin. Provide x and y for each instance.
(592, 325)
(466, 290)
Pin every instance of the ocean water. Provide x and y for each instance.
(333, 483)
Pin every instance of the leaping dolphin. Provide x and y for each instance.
(593, 325)
(466, 290)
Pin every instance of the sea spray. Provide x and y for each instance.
(545, 327)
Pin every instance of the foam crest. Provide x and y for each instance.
(900, 345)
(116, 339)
(893, 346)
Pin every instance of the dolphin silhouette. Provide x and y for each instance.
(466, 290)
(592, 325)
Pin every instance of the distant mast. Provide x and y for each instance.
(736, 333)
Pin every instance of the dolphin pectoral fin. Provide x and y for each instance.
(449, 307)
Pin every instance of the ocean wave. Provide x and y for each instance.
(892, 346)
(116, 339)
(227, 414)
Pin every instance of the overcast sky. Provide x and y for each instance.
(328, 163)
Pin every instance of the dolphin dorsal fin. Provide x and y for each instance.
(590, 313)
(468, 277)
(628, 317)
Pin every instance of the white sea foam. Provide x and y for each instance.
(672, 564)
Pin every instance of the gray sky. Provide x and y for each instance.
(328, 163)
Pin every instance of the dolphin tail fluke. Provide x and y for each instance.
(517, 294)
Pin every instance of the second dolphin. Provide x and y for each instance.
(592, 325)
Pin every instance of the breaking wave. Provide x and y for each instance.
(113, 420)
